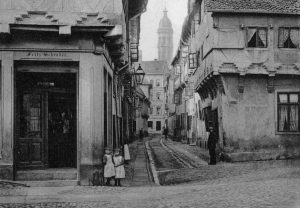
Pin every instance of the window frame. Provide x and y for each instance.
(257, 29)
(150, 126)
(287, 27)
(288, 93)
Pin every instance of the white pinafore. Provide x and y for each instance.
(109, 168)
(120, 171)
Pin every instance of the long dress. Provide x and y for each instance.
(120, 171)
(126, 152)
(109, 168)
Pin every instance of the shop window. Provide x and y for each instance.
(288, 112)
(150, 124)
(256, 37)
(289, 37)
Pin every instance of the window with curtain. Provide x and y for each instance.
(257, 37)
(157, 83)
(288, 112)
(289, 37)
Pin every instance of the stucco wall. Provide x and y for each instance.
(249, 118)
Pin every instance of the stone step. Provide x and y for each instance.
(47, 175)
(50, 183)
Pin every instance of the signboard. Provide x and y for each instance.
(46, 55)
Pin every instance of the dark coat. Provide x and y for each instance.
(212, 140)
(166, 131)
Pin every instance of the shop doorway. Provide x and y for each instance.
(45, 115)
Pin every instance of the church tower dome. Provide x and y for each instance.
(165, 38)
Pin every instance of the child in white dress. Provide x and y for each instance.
(119, 167)
(109, 168)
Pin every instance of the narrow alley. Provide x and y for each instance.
(150, 103)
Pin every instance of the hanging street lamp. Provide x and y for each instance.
(139, 75)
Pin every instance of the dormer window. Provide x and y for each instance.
(289, 37)
(256, 37)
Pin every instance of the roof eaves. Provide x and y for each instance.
(251, 11)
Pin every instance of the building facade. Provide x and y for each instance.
(60, 99)
(243, 61)
(155, 72)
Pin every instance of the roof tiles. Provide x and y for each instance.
(254, 6)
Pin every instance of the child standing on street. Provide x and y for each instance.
(109, 169)
(119, 167)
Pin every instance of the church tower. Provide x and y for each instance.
(165, 39)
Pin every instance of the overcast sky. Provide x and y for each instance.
(177, 11)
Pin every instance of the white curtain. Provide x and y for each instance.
(283, 118)
(262, 34)
(294, 120)
(283, 36)
(250, 32)
(295, 37)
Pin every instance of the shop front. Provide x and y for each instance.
(56, 114)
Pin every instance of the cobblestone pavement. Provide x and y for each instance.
(269, 184)
(279, 192)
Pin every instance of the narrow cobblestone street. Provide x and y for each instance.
(273, 184)
(275, 192)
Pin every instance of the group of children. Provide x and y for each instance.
(114, 165)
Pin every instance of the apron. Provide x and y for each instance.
(120, 171)
(109, 168)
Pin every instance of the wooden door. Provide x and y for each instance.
(31, 130)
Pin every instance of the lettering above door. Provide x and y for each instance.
(46, 55)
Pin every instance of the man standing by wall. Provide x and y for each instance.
(211, 144)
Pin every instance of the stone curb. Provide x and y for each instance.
(152, 166)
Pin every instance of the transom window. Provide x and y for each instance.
(257, 37)
(288, 112)
(289, 37)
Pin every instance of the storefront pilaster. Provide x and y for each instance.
(7, 112)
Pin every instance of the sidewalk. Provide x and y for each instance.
(141, 175)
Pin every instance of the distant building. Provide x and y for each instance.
(155, 72)
(165, 39)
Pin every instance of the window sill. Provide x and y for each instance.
(289, 49)
(287, 133)
(259, 49)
